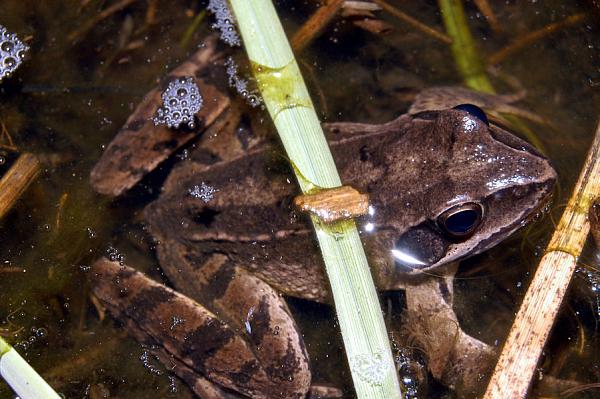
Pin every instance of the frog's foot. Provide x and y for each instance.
(440, 98)
(201, 386)
(265, 358)
(454, 357)
(140, 146)
(324, 392)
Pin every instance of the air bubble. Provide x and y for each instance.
(7, 47)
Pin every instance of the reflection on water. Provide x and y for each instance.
(77, 88)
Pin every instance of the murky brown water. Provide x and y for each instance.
(70, 98)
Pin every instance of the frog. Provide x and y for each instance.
(442, 186)
(444, 183)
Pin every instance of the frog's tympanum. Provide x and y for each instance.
(443, 185)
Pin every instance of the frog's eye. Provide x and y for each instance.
(474, 111)
(461, 221)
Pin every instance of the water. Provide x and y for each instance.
(72, 94)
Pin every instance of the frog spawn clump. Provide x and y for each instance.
(181, 101)
(12, 52)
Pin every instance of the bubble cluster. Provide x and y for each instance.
(36, 334)
(181, 100)
(409, 371)
(225, 22)
(147, 360)
(12, 52)
(176, 321)
(115, 256)
(203, 192)
(241, 85)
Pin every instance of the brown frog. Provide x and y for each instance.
(443, 185)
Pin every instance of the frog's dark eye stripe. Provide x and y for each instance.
(474, 111)
(461, 221)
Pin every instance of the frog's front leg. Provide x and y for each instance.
(454, 357)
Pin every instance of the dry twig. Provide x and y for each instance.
(531, 37)
(533, 322)
(11, 269)
(315, 24)
(86, 26)
(16, 180)
(420, 26)
(6, 142)
(486, 9)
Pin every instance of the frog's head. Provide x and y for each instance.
(465, 186)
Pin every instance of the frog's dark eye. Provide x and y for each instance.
(474, 111)
(461, 221)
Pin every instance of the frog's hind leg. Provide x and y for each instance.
(246, 342)
(250, 306)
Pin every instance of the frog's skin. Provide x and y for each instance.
(220, 253)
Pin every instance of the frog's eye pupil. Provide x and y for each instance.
(461, 221)
(474, 111)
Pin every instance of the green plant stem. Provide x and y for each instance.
(189, 31)
(463, 46)
(4, 346)
(470, 64)
(21, 377)
(289, 104)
